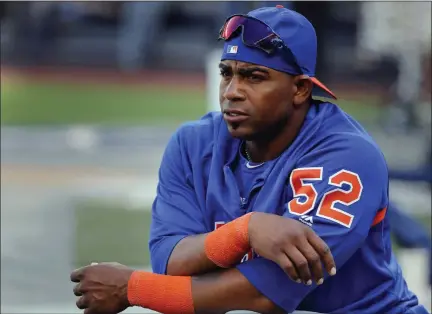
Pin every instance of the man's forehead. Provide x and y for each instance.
(241, 65)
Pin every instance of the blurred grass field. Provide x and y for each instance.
(25, 102)
(33, 103)
(111, 232)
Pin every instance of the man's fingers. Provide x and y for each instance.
(288, 267)
(82, 302)
(77, 290)
(77, 274)
(324, 251)
(314, 261)
(301, 264)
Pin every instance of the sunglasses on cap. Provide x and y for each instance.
(256, 34)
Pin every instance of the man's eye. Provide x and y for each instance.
(256, 78)
(224, 73)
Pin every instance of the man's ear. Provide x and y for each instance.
(304, 89)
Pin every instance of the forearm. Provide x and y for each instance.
(200, 254)
(189, 258)
(228, 290)
(217, 292)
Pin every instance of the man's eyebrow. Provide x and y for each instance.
(223, 66)
(244, 71)
(253, 69)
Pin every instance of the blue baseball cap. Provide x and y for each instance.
(296, 32)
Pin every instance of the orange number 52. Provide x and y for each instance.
(327, 207)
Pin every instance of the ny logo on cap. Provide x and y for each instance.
(232, 49)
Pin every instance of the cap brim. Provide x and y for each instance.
(321, 90)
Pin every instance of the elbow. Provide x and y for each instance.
(176, 268)
(163, 259)
(180, 264)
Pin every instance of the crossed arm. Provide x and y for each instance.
(220, 290)
(215, 290)
(212, 287)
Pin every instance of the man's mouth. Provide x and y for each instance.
(232, 114)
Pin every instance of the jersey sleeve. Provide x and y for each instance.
(340, 191)
(175, 211)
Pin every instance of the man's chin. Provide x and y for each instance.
(240, 132)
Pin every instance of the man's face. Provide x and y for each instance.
(255, 100)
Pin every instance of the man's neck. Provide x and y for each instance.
(270, 148)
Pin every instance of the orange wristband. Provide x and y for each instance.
(228, 244)
(161, 293)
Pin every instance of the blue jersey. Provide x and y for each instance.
(333, 177)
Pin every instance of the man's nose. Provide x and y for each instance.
(234, 91)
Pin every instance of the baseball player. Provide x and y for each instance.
(252, 201)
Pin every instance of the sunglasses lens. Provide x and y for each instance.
(254, 31)
(231, 26)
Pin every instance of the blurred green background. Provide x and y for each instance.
(49, 103)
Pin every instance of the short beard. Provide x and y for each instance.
(269, 132)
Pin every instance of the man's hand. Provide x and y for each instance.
(102, 288)
(292, 245)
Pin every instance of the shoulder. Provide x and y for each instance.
(341, 141)
(201, 129)
(198, 137)
(341, 131)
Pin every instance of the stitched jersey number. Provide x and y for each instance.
(327, 207)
